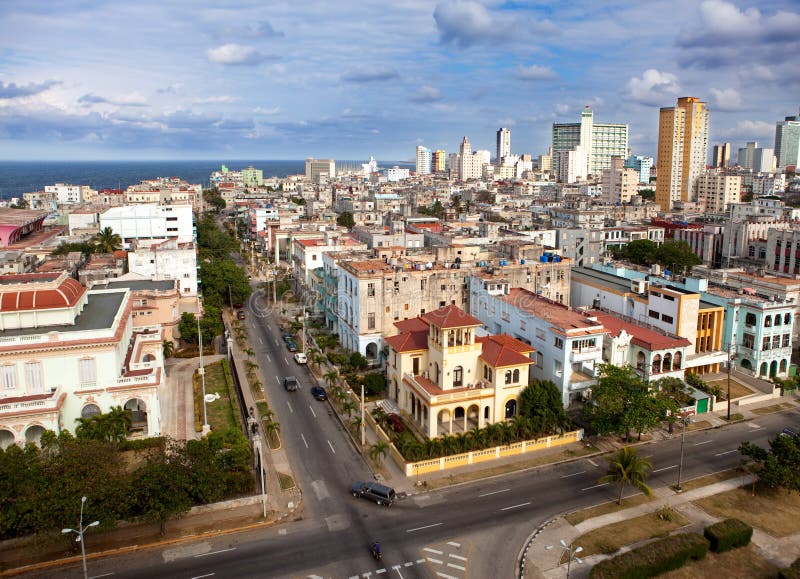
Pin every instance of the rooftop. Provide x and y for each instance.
(98, 314)
(143, 285)
(451, 317)
(560, 316)
(645, 337)
(503, 350)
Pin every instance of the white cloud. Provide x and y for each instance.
(466, 22)
(427, 94)
(653, 88)
(11, 90)
(234, 54)
(750, 130)
(726, 99)
(221, 99)
(370, 74)
(536, 72)
(757, 72)
(267, 111)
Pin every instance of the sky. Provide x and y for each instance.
(248, 79)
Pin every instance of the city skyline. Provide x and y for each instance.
(188, 80)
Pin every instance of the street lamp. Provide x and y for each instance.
(202, 370)
(685, 419)
(80, 531)
(571, 551)
(731, 354)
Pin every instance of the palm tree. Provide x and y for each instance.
(627, 468)
(378, 451)
(168, 348)
(348, 406)
(106, 241)
(330, 377)
(249, 352)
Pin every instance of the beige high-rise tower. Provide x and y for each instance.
(682, 150)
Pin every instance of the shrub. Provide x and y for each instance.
(653, 559)
(791, 572)
(374, 384)
(728, 534)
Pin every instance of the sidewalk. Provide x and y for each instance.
(542, 551)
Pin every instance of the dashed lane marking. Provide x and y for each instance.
(408, 563)
(420, 561)
(595, 486)
(704, 442)
(573, 474)
(215, 552)
(425, 527)
(445, 575)
(333, 450)
(593, 463)
(311, 408)
(515, 506)
(727, 452)
(304, 439)
(493, 493)
(195, 577)
(290, 407)
(666, 468)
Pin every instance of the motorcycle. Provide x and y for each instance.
(375, 549)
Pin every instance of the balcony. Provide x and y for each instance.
(582, 377)
(35, 402)
(435, 395)
(584, 354)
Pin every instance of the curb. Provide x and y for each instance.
(523, 554)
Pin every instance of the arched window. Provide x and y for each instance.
(656, 367)
(676, 361)
(667, 364)
(787, 319)
(508, 376)
(490, 375)
(768, 321)
(436, 373)
(516, 376)
(777, 320)
(458, 376)
(90, 410)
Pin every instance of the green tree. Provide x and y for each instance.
(106, 241)
(345, 219)
(627, 468)
(82, 247)
(168, 348)
(641, 252)
(111, 426)
(678, 256)
(187, 327)
(161, 487)
(374, 384)
(358, 361)
(330, 377)
(541, 403)
(778, 467)
(648, 194)
(378, 451)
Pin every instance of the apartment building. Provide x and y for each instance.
(68, 352)
(619, 183)
(447, 380)
(145, 221)
(66, 194)
(166, 260)
(717, 189)
(567, 342)
(599, 142)
(164, 191)
(307, 253)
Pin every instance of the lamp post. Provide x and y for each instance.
(685, 419)
(731, 354)
(202, 370)
(80, 531)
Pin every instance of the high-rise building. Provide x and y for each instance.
(787, 142)
(620, 183)
(503, 145)
(572, 164)
(439, 161)
(641, 165)
(758, 159)
(716, 189)
(722, 155)
(682, 150)
(320, 170)
(600, 141)
(470, 165)
(424, 159)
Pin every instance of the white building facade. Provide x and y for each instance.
(135, 222)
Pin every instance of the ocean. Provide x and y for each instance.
(18, 177)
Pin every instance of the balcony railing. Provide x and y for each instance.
(478, 388)
(584, 354)
(43, 404)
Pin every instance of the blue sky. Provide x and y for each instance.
(192, 79)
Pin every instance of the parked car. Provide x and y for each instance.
(287, 336)
(300, 358)
(291, 346)
(240, 314)
(373, 491)
(319, 393)
(290, 383)
(789, 431)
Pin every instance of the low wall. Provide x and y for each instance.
(488, 454)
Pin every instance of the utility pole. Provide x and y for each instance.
(684, 419)
(363, 423)
(730, 363)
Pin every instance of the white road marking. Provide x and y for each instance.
(195, 577)
(290, 407)
(454, 544)
(311, 408)
(304, 439)
(379, 571)
(459, 557)
(253, 324)
(215, 552)
(276, 342)
(397, 568)
(429, 550)
(408, 563)
(278, 380)
(104, 575)
(666, 468)
(459, 567)
(425, 527)
(260, 341)
(332, 449)
(493, 493)
(704, 442)
(445, 575)
(753, 425)
(420, 561)
(593, 463)
(595, 486)
(285, 359)
(573, 474)
(437, 561)
(727, 452)
(269, 359)
(515, 506)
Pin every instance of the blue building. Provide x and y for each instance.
(642, 165)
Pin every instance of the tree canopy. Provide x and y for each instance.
(345, 219)
(674, 255)
(541, 403)
(778, 467)
(106, 241)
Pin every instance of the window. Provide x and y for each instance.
(522, 324)
(458, 376)
(370, 321)
(787, 319)
(666, 318)
(87, 375)
(653, 314)
(750, 319)
(539, 333)
(415, 366)
(370, 290)
(508, 376)
(405, 307)
(786, 340)
(768, 322)
(9, 375)
(516, 377)
(748, 340)
(539, 360)
(765, 343)
(558, 343)
(33, 377)
(776, 342)
(558, 367)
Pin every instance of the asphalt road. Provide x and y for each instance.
(472, 530)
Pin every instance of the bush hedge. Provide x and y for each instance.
(653, 559)
(728, 534)
(791, 572)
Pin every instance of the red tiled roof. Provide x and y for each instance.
(66, 295)
(451, 317)
(641, 336)
(503, 350)
(412, 325)
(408, 341)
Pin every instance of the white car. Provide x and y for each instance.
(300, 358)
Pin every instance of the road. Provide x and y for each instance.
(472, 530)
